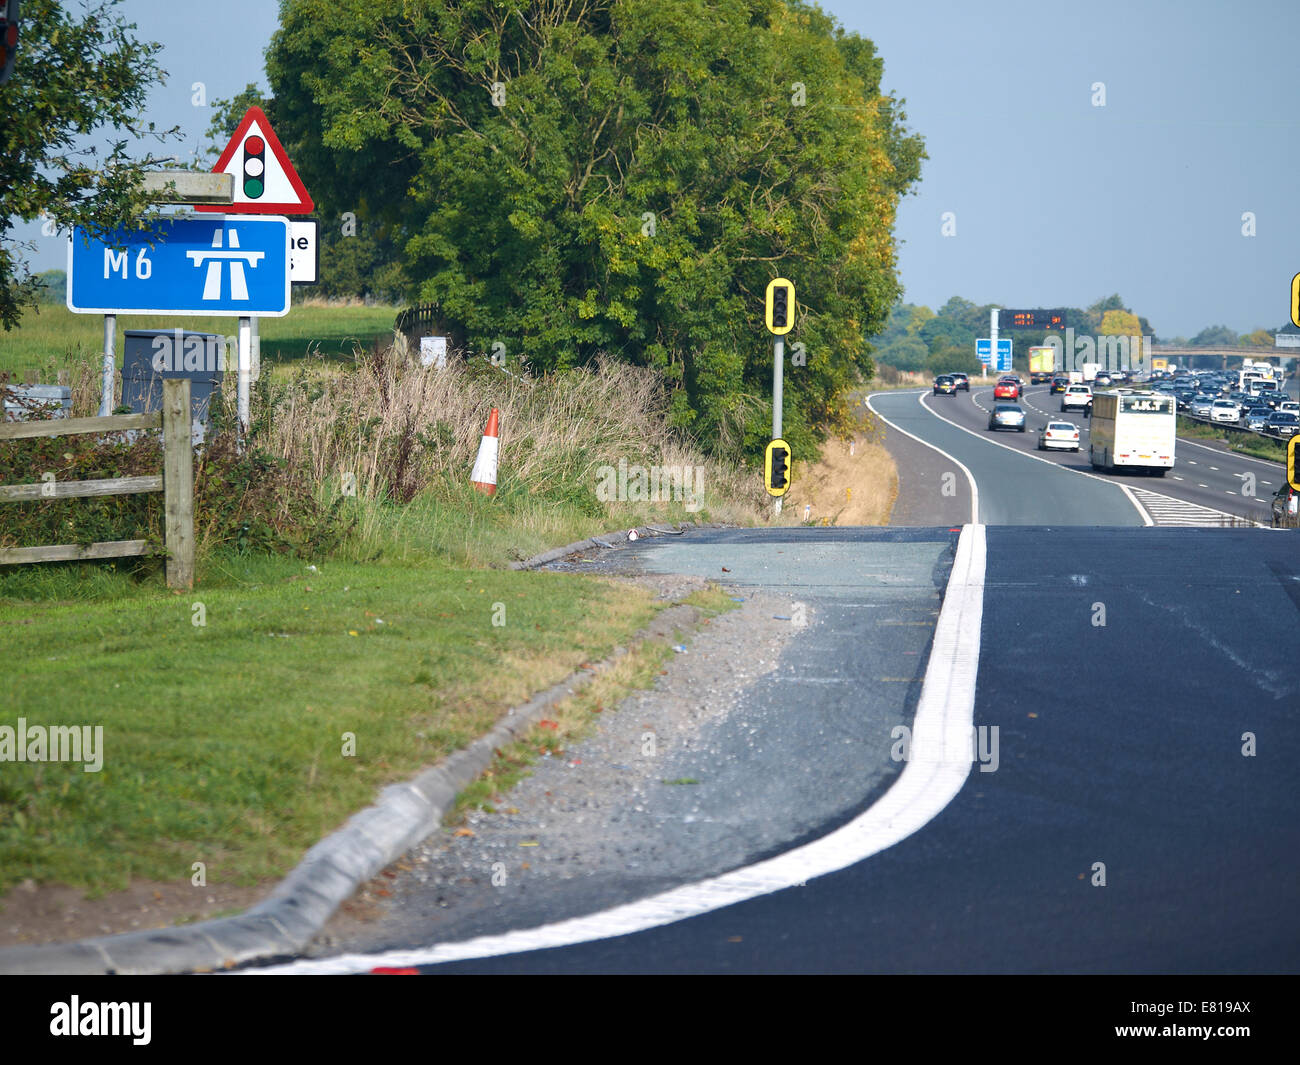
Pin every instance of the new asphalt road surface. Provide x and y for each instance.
(1126, 803)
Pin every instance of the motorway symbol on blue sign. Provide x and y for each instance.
(228, 265)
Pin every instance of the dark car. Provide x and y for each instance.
(1274, 399)
(1040, 377)
(1058, 384)
(1282, 424)
(962, 380)
(944, 385)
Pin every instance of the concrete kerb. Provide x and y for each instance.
(328, 875)
(607, 541)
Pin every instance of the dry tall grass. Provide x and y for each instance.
(400, 428)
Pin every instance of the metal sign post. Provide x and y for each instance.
(110, 364)
(778, 364)
(245, 369)
(778, 313)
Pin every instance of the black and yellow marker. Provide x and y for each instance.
(776, 468)
(780, 306)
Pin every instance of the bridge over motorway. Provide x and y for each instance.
(1286, 358)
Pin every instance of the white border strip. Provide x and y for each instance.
(940, 761)
(974, 489)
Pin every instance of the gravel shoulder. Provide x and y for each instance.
(641, 805)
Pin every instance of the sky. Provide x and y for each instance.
(1049, 198)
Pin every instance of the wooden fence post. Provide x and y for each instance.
(178, 482)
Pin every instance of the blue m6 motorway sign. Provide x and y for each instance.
(228, 265)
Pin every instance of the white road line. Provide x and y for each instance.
(974, 488)
(1147, 519)
(1141, 513)
(939, 763)
(1142, 501)
(1169, 511)
(1219, 451)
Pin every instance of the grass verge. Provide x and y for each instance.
(50, 337)
(246, 720)
(1239, 443)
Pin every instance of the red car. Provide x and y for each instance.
(1006, 390)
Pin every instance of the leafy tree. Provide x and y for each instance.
(619, 176)
(1215, 336)
(943, 332)
(1119, 323)
(53, 286)
(226, 115)
(906, 353)
(75, 76)
(954, 360)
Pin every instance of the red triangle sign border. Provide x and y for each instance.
(305, 204)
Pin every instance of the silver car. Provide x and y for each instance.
(1201, 405)
(1255, 418)
(1007, 416)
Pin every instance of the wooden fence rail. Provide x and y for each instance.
(176, 483)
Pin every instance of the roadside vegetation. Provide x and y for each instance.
(50, 338)
(386, 615)
(1242, 443)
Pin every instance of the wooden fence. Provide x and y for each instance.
(418, 319)
(176, 483)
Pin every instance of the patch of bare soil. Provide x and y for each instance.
(854, 483)
(32, 913)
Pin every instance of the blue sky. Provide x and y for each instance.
(1057, 202)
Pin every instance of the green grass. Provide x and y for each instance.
(51, 334)
(225, 743)
(1241, 443)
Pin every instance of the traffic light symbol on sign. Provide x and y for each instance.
(780, 306)
(254, 167)
(776, 468)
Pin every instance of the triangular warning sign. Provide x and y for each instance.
(265, 180)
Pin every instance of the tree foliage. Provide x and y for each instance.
(620, 176)
(76, 74)
(1215, 336)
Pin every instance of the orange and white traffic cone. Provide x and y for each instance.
(484, 477)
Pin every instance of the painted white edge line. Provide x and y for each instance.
(974, 488)
(1146, 516)
(1233, 454)
(938, 765)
